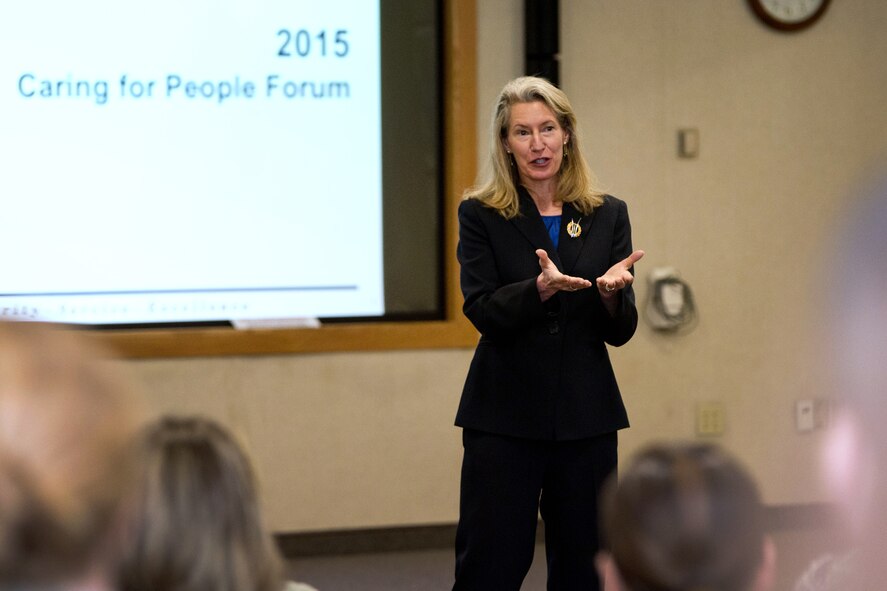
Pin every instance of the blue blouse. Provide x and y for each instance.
(553, 224)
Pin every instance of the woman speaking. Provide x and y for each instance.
(546, 272)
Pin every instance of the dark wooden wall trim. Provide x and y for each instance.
(440, 536)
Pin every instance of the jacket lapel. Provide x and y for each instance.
(530, 224)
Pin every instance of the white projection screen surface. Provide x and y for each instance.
(176, 162)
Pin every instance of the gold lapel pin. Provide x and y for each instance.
(574, 229)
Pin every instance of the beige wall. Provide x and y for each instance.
(789, 124)
(342, 440)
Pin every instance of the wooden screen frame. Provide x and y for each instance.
(454, 331)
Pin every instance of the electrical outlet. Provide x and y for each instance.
(710, 419)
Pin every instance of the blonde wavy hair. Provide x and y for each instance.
(196, 524)
(498, 188)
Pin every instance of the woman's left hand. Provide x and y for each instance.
(618, 276)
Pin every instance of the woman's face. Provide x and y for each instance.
(536, 141)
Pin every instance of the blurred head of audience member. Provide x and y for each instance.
(67, 423)
(196, 523)
(856, 442)
(684, 517)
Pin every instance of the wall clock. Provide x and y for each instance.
(789, 15)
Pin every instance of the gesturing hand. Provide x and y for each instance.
(550, 280)
(618, 276)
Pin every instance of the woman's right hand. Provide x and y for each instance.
(551, 280)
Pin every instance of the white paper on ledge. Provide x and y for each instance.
(272, 323)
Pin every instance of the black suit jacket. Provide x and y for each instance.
(541, 370)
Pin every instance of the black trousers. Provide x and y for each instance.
(506, 483)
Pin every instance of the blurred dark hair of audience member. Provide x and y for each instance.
(67, 423)
(196, 524)
(684, 517)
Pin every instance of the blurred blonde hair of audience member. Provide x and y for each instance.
(684, 517)
(196, 523)
(67, 423)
